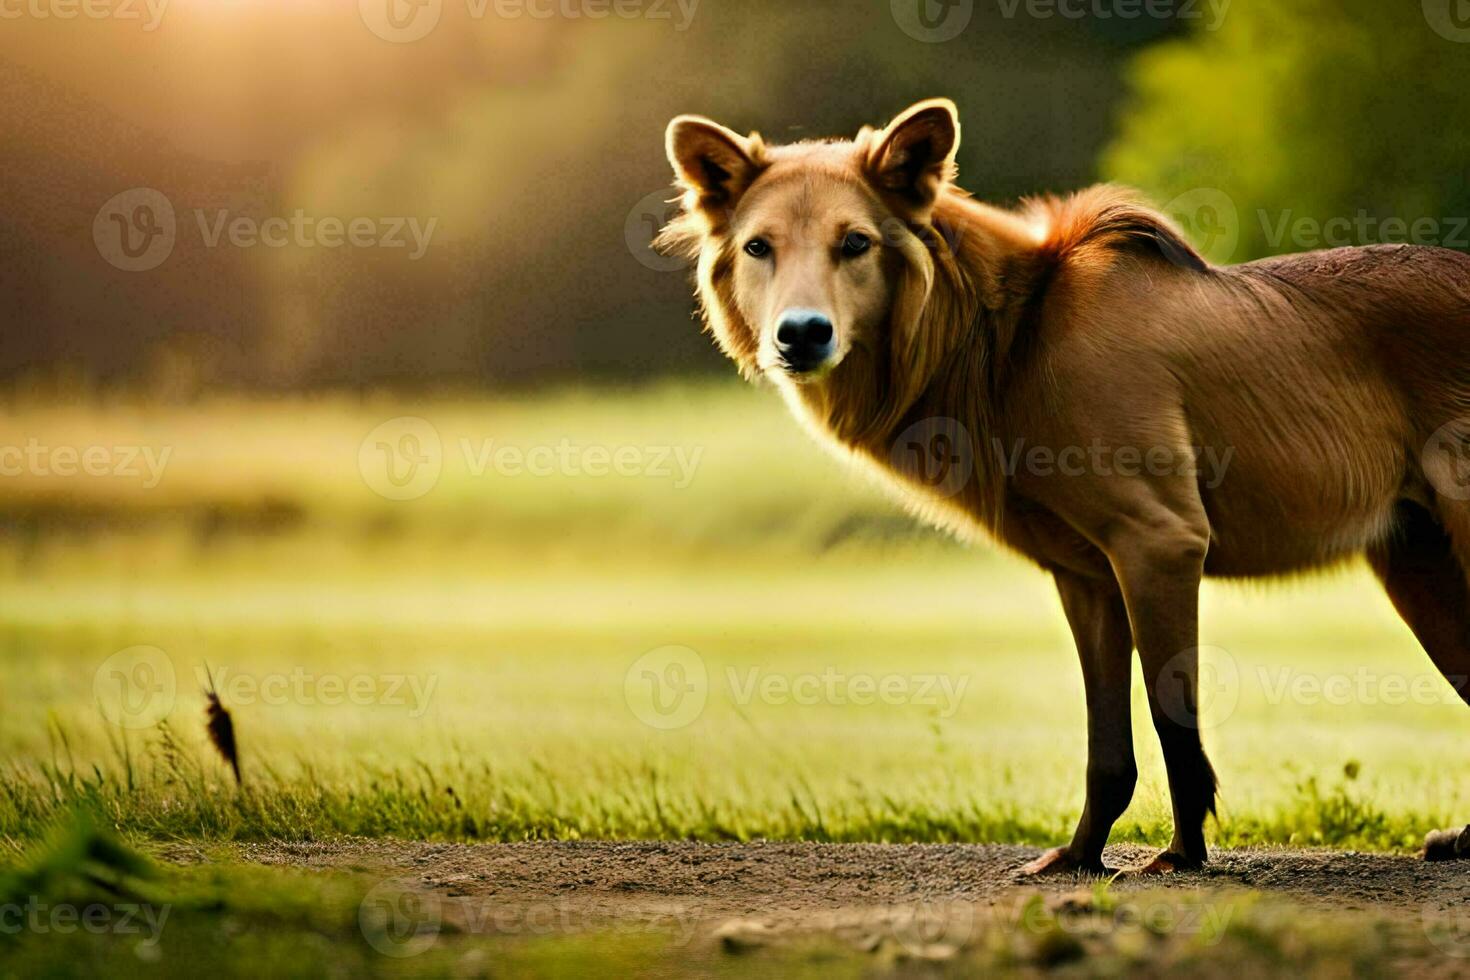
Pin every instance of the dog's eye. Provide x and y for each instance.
(758, 248)
(855, 243)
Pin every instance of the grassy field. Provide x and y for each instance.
(725, 636)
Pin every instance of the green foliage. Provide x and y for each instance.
(77, 856)
(82, 904)
(1349, 110)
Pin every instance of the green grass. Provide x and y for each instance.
(518, 604)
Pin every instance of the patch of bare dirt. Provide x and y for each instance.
(774, 881)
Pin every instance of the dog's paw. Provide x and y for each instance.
(1058, 861)
(1166, 864)
(1447, 845)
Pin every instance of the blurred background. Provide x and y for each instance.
(294, 273)
(531, 137)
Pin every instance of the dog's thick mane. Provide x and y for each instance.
(990, 271)
(1008, 259)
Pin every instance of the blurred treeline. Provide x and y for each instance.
(536, 146)
(1310, 112)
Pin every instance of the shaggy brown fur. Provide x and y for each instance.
(1118, 410)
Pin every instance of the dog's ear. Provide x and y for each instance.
(913, 158)
(716, 163)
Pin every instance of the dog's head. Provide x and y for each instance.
(813, 258)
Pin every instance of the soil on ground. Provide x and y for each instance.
(545, 886)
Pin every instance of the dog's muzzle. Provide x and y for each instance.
(805, 340)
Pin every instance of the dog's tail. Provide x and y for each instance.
(1109, 217)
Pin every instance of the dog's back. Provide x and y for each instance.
(1321, 378)
(1413, 305)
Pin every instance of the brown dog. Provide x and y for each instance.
(1075, 381)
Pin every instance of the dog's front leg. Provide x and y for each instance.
(1099, 621)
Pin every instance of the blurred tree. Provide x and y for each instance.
(1319, 123)
(534, 146)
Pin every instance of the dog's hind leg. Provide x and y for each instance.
(1425, 567)
(1421, 566)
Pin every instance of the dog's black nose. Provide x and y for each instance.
(804, 338)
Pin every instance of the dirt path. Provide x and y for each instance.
(778, 882)
(763, 909)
